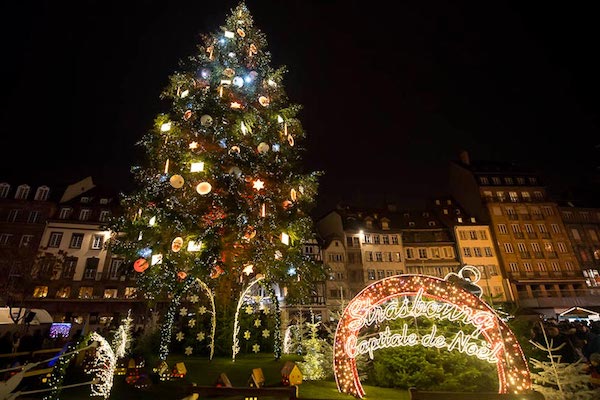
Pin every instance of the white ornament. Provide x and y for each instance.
(183, 312)
(266, 333)
(238, 81)
(263, 148)
(188, 351)
(179, 336)
(256, 348)
(192, 323)
(206, 120)
(194, 298)
(200, 336)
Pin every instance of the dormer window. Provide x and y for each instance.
(4, 189)
(411, 223)
(104, 201)
(85, 214)
(385, 225)
(85, 199)
(22, 192)
(431, 223)
(369, 223)
(42, 193)
(65, 213)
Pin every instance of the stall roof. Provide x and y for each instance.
(41, 316)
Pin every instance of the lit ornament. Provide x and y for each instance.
(278, 255)
(183, 311)
(250, 233)
(285, 238)
(202, 310)
(243, 128)
(179, 336)
(235, 105)
(181, 275)
(275, 147)
(224, 83)
(193, 145)
(152, 221)
(252, 50)
(266, 311)
(166, 127)
(205, 73)
(249, 310)
(187, 115)
(256, 348)
(262, 148)
(248, 269)
(263, 210)
(293, 194)
(194, 298)
(216, 271)
(177, 181)
(176, 244)
(229, 35)
(167, 166)
(197, 167)
(184, 94)
(291, 140)
(200, 336)
(271, 83)
(194, 246)
(241, 32)
(258, 184)
(192, 323)
(234, 150)
(140, 265)
(238, 81)
(264, 101)
(231, 54)
(206, 120)
(287, 204)
(266, 333)
(188, 351)
(203, 188)
(291, 271)
(229, 72)
(156, 259)
(257, 322)
(279, 119)
(247, 335)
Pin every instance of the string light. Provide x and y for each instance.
(102, 367)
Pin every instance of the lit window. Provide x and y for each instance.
(371, 274)
(4, 189)
(22, 192)
(130, 293)
(97, 242)
(55, 239)
(42, 193)
(40, 292)
(86, 292)
(110, 293)
(64, 292)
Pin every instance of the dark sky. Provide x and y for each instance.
(390, 93)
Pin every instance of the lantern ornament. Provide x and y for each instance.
(140, 265)
(412, 296)
(176, 244)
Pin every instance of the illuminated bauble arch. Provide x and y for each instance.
(513, 371)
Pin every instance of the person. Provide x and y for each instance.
(594, 369)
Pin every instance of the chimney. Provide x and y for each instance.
(464, 157)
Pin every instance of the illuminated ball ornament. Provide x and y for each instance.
(229, 72)
(235, 171)
(181, 275)
(205, 73)
(216, 272)
(238, 81)
(176, 244)
(241, 32)
(206, 120)
(234, 150)
(203, 188)
(166, 127)
(177, 181)
(140, 265)
(291, 140)
(263, 148)
(187, 115)
(252, 50)
(264, 101)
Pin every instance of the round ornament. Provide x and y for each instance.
(229, 72)
(216, 272)
(253, 49)
(235, 171)
(238, 81)
(241, 32)
(291, 140)
(250, 233)
(176, 181)
(293, 194)
(234, 150)
(206, 120)
(140, 265)
(181, 275)
(203, 188)
(205, 73)
(264, 101)
(253, 75)
(287, 204)
(176, 244)
(187, 115)
(263, 148)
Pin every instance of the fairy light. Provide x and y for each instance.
(103, 367)
(236, 324)
(213, 317)
(448, 301)
(122, 339)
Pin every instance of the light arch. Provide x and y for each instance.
(512, 368)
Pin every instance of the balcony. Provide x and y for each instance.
(562, 299)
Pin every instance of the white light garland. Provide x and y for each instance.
(236, 324)
(102, 368)
(122, 340)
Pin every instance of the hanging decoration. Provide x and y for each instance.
(140, 265)
(203, 188)
(177, 181)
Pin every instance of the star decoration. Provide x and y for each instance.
(200, 336)
(194, 298)
(193, 145)
(202, 310)
(257, 299)
(266, 333)
(266, 311)
(247, 335)
(183, 312)
(192, 323)
(249, 310)
(188, 351)
(236, 105)
(256, 348)
(179, 336)
(258, 184)
(248, 269)
(257, 322)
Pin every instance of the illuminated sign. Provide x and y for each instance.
(408, 296)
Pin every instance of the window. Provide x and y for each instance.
(104, 200)
(482, 235)
(431, 223)
(422, 253)
(526, 196)
(371, 274)
(26, 240)
(41, 193)
(477, 251)
(435, 252)
(496, 180)
(110, 293)
(85, 200)
(397, 257)
(22, 192)
(91, 266)
(55, 239)
(369, 223)
(514, 197)
(488, 251)
(520, 180)
(34, 217)
(516, 228)
(356, 241)
(5, 238)
(561, 247)
(542, 228)
(508, 180)
(65, 213)
(97, 242)
(130, 293)
(548, 246)
(76, 241)
(395, 239)
(380, 274)
(536, 247)
(593, 235)
(335, 257)
(367, 238)
(542, 266)
(492, 271)
(522, 248)
(500, 195)
(555, 228)
(527, 266)
(575, 234)
(12, 215)
(104, 214)
(448, 252)
(376, 239)
(4, 189)
(484, 180)
(86, 292)
(569, 266)
(85, 214)
(532, 180)
(508, 247)
(378, 256)
(463, 235)
(389, 273)
(409, 252)
(514, 267)
(386, 239)
(64, 292)
(502, 229)
(40, 292)
(349, 241)
(389, 257)
(538, 196)
(528, 228)
(473, 235)
(555, 266)
(69, 267)
(467, 251)
(369, 255)
(385, 225)
(546, 210)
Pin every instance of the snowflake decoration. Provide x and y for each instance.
(249, 310)
(200, 336)
(256, 348)
(183, 312)
(192, 323)
(202, 310)
(247, 335)
(257, 322)
(266, 333)
(188, 351)
(179, 336)
(257, 299)
(194, 298)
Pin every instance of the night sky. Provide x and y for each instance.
(391, 94)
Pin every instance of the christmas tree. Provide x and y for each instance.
(221, 193)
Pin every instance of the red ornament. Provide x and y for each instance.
(181, 275)
(140, 265)
(216, 272)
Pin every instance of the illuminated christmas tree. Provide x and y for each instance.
(222, 195)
